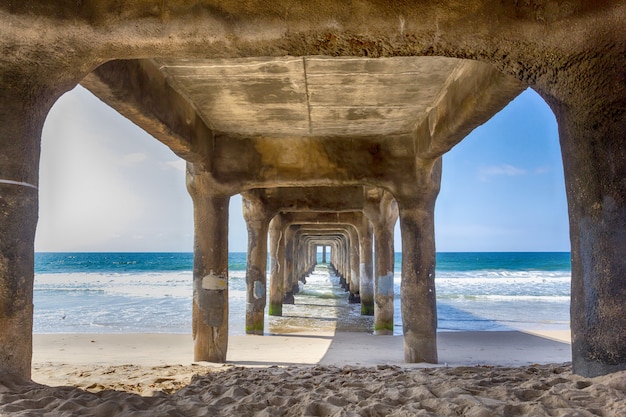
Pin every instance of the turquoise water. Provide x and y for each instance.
(151, 292)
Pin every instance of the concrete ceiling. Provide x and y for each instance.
(348, 120)
(311, 96)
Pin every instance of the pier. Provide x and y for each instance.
(331, 119)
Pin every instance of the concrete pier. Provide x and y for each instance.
(19, 148)
(382, 210)
(277, 279)
(257, 218)
(210, 269)
(312, 94)
(349, 221)
(366, 268)
(417, 289)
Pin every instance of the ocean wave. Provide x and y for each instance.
(147, 285)
(503, 275)
(498, 276)
(506, 298)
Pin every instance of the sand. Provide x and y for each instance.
(309, 374)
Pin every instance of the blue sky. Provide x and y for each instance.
(105, 185)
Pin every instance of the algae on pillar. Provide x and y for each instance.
(210, 268)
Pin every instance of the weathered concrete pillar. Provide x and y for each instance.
(355, 262)
(324, 254)
(346, 262)
(306, 256)
(30, 85)
(210, 268)
(334, 257)
(594, 160)
(366, 287)
(257, 217)
(301, 258)
(383, 281)
(382, 210)
(23, 109)
(418, 300)
(291, 282)
(342, 260)
(277, 278)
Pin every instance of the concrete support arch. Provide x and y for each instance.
(147, 61)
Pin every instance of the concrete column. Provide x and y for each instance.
(306, 257)
(324, 254)
(23, 109)
(257, 222)
(594, 160)
(340, 264)
(383, 280)
(382, 210)
(210, 268)
(334, 257)
(277, 278)
(342, 261)
(417, 289)
(291, 282)
(355, 261)
(301, 258)
(310, 256)
(366, 267)
(337, 259)
(345, 261)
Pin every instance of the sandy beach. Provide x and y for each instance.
(305, 374)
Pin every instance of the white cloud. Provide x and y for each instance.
(541, 170)
(487, 172)
(133, 158)
(179, 164)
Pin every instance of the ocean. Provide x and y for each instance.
(152, 293)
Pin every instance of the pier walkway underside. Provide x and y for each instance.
(331, 120)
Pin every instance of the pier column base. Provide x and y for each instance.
(210, 269)
(382, 210)
(257, 222)
(291, 281)
(18, 219)
(594, 160)
(355, 262)
(366, 269)
(23, 109)
(277, 277)
(419, 303)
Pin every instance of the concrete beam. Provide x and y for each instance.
(140, 92)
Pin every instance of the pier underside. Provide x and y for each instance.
(331, 119)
